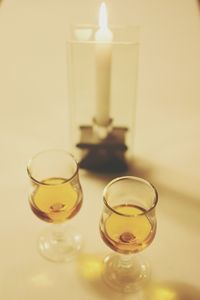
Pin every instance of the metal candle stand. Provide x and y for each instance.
(103, 151)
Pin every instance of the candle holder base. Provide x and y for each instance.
(103, 155)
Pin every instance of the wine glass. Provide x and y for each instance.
(55, 197)
(127, 226)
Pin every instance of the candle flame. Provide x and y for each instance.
(103, 17)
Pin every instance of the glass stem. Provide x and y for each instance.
(126, 261)
(58, 232)
(129, 263)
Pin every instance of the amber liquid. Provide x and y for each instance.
(127, 234)
(55, 200)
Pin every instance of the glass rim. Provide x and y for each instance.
(71, 41)
(50, 184)
(131, 41)
(139, 179)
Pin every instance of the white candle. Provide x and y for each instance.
(103, 37)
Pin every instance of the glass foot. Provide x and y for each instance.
(125, 274)
(60, 244)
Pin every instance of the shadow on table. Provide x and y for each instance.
(90, 268)
(136, 167)
(182, 207)
(174, 201)
(171, 291)
(185, 207)
(198, 1)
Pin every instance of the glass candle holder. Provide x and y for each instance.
(102, 77)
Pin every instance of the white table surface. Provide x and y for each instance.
(33, 117)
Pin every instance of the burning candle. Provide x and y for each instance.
(103, 38)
